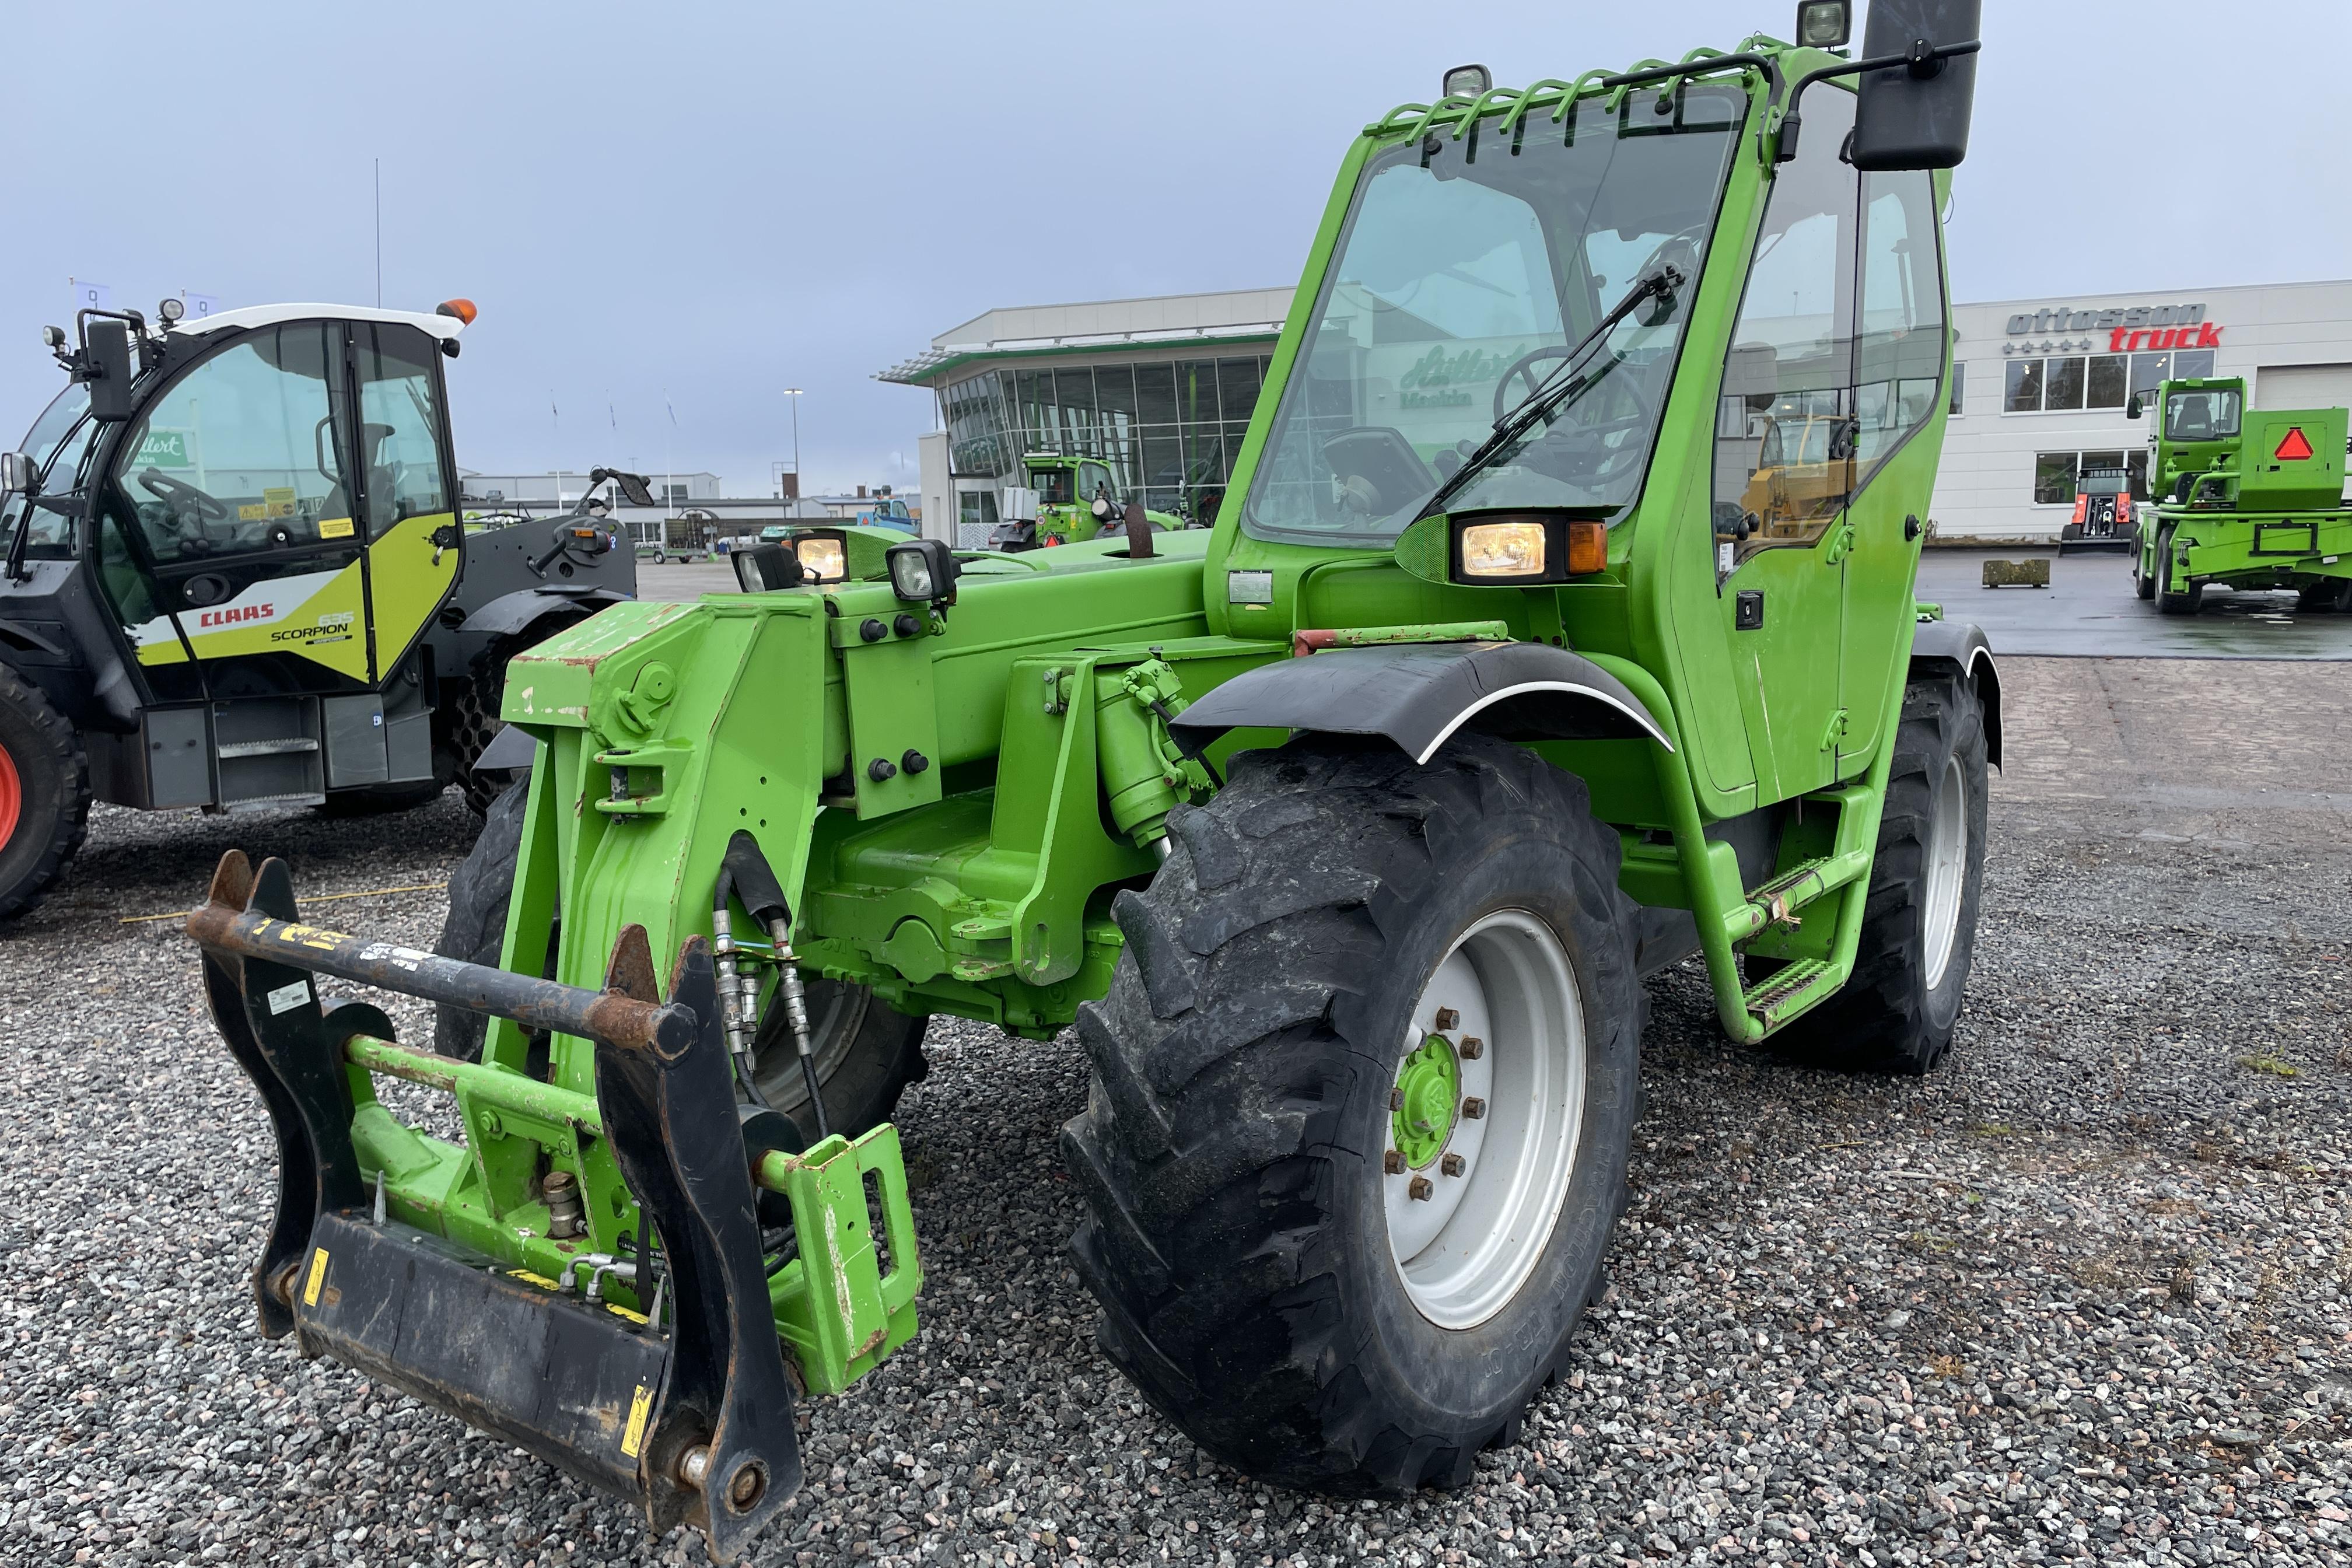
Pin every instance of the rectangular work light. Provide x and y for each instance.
(1527, 547)
(1825, 23)
(823, 555)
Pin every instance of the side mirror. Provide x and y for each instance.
(1915, 115)
(16, 474)
(634, 488)
(2131, 409)
(109, 370)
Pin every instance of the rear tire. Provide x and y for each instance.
(1899, 1011)
(1264, 1273)
(44, 793)
(867, 1053)
(2168, 602)
(2143, 585)
(2321, 598)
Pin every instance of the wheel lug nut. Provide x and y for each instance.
(1420, 1188)
(1392, 1162)
(1473, 1108)
(1451, 1164)
(1396, 1099)
(1472, 1048)
(1447, 1018)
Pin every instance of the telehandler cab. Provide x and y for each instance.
(1068, 499)
(1345, 833)
(235, 576)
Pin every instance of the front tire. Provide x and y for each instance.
(44, 793)
(2185, 602)
(2143, 585)
(1271, 1081)
(1899, 1011)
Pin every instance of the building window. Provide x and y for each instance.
(2025, 394)
(1960, 384)
(2053, 477)
(2057, 475)
(2061, 384)
(2105, 387)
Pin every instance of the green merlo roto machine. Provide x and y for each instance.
(1345, 833)
(2248, 497)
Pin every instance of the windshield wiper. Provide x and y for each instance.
(1557, 390)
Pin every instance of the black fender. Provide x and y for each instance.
(1418, 694)
(1960, 647)
(510, 613)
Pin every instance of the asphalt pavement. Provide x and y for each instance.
(2089, 611)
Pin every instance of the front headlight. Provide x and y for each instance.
(1503, 549)
(821, 557)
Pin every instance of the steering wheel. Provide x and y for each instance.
(180, 493)
(1524, 367)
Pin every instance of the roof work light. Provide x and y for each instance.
(1467, 82)
(1825, 23)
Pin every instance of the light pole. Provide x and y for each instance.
(794, 392)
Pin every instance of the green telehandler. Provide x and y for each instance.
(2251, 499)
(1345, 833)
(1068, 499)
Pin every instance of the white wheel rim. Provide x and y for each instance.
(1463, 1251)
(1948, 862)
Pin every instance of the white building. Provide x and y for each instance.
(2043, 386)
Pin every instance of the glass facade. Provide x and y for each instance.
(1169, 430)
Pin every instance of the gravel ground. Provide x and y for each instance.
(2080, 1295)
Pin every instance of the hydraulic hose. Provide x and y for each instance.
(739, 1012)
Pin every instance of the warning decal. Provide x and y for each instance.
(2296, 447)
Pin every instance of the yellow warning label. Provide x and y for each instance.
(638, 1317)
(312, 936)
(276, 496)
(252, 513)
(528, 1278)
(334, 528)
(317, 1276)
(641, 1405)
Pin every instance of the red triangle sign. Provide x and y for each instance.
(2295, 448)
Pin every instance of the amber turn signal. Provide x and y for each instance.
(1587, 548)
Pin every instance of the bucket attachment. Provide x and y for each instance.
(684, 1405)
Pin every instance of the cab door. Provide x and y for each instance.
(1899, 360)
(226, 527)
(1789, 379)
(407, 486)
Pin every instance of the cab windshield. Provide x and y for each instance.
(54, 450)
(1468, 267)
(2200, 415)
(1054, 487)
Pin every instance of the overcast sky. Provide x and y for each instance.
(709, 202)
